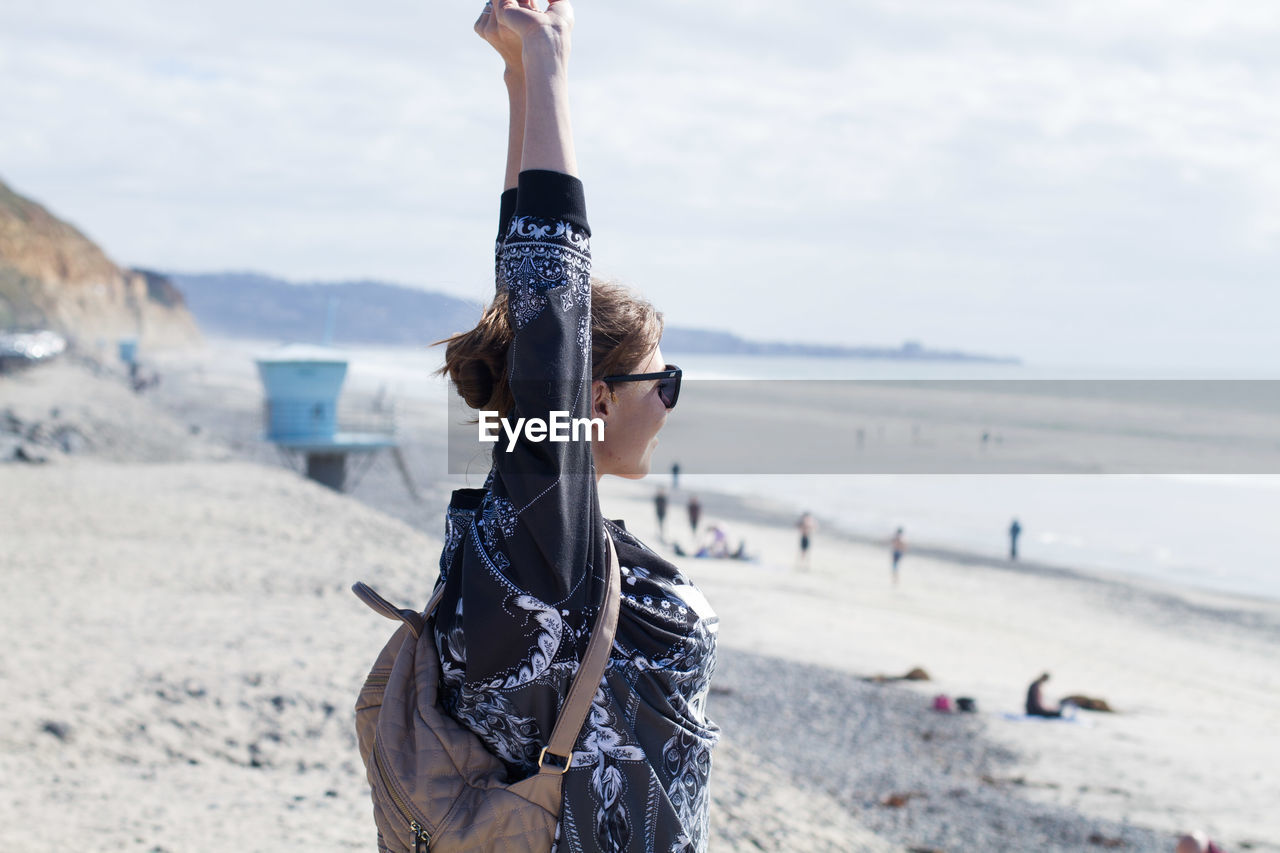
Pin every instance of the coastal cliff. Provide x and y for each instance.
(53, 276)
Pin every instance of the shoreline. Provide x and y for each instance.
(757, 509)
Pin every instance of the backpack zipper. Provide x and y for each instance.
(421, 838)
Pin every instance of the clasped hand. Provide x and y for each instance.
(515, 26)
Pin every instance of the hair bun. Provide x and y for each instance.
(475, 382)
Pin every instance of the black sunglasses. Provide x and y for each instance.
(668, 383)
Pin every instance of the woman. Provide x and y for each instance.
(525, 557)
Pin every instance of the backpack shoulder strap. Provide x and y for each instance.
(415, 621)
(578, 703)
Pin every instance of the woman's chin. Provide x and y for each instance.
(638, 471)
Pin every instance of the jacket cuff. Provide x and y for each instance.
(552, 195)
(506, 210)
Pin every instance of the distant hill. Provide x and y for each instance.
(703, 341)
(54, 277)
(248, 305)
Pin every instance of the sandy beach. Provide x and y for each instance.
(1192, 675)
(183, 653)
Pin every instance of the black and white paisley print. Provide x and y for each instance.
(523, 568)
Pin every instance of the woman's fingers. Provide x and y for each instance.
(502, 38)
(487, 25)
(504, 10)
(519, 7)
(561, 9)
(485, 19)
(487, 28)
(525, 16)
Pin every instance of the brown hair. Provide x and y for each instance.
(625, 329)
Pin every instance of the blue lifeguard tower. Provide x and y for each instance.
(127, 348)
(303, 384)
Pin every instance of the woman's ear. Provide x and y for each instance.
(602, 399)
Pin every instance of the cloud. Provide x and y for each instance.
(964, 173)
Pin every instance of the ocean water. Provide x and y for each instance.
(777, 367)
(1209, 532)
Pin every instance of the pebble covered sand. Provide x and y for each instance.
(182, 654)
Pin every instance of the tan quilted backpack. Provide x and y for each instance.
(435, 785)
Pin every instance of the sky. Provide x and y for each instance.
(1075, 182)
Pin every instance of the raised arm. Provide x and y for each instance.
(542, 511)
(545, 40)
(508, 45)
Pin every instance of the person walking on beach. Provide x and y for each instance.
(695, 513)
(675, 476)
(898, 547)
(660, 507)
(1015, 530)
(807, 527)
(526, 558)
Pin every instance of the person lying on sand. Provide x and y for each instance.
(716, 546)
(1196, 842)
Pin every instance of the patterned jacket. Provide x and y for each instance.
(523, 567)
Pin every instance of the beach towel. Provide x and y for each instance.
(1028, 718)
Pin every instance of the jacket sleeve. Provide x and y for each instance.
(539, 529)
(506, 210)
